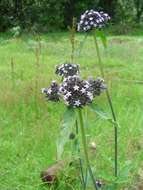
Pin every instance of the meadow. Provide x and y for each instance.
(29, 125)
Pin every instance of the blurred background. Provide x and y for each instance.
(48, 15)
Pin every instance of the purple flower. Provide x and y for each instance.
(92, 19)
(67, 69)
(76, 92)
(97, 86)
(52, 93)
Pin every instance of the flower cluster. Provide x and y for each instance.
(76, 92)
(67, 69)
(52, 93)
(92, 19)
(97, 86)
(73, 90)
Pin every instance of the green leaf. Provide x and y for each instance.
(94, 107)
(68, 121)
(102, 36)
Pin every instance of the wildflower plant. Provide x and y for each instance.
(76, 93)
(92, 23)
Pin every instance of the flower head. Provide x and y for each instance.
(97, 86)
(92, 19)
(67, 69)
(76, 92)
(52, 93)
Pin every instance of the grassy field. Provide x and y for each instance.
(29, 125)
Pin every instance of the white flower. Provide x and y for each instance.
(82, 16)
(49, 91)
(61, 89)
(84, 28)
(83, 90)
(68, 94)
(89, 94)
(76, 87)
(91, 18)
(88, 27)
(65, 79)
(98, 13)
(77, 103)
(65, 97)
(86, 86)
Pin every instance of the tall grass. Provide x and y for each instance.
(27, 142)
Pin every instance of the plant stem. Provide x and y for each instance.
(111, 107)
(85, 148)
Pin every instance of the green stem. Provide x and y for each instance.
(85, 148)
(111, 107)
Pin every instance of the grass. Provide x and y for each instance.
(29, 125)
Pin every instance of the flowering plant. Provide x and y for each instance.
(92, 22)
(76, 93)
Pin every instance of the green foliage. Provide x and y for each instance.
(33, 15)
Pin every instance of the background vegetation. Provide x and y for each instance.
(29, 125)
(47, 15)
